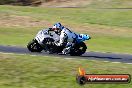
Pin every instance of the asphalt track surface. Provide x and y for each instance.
(125, 58)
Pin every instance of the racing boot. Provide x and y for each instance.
(66, 51)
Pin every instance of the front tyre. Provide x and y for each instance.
(34, 46)
(78, 49)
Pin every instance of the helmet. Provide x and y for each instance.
(58, 26)
(84, 37)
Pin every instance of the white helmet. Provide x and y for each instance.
(58, 26)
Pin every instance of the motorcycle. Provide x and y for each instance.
(42, 41)
(47, 41)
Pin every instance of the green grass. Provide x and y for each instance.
(119, 18)
(110, 44)
(27, 71)
(110, 4)
(17, 36)
(110, 29)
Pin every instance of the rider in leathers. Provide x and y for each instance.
(67, 37)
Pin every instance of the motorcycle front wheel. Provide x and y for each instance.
(34, 46)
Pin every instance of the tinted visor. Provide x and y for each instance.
(55, 29)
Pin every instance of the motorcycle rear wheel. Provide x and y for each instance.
(78, 49)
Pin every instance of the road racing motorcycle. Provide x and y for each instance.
(46, 40)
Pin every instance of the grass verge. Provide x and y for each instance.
(25, 71)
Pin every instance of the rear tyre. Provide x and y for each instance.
(78, 49)
(34, 46)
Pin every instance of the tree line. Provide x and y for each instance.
(23, 2)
